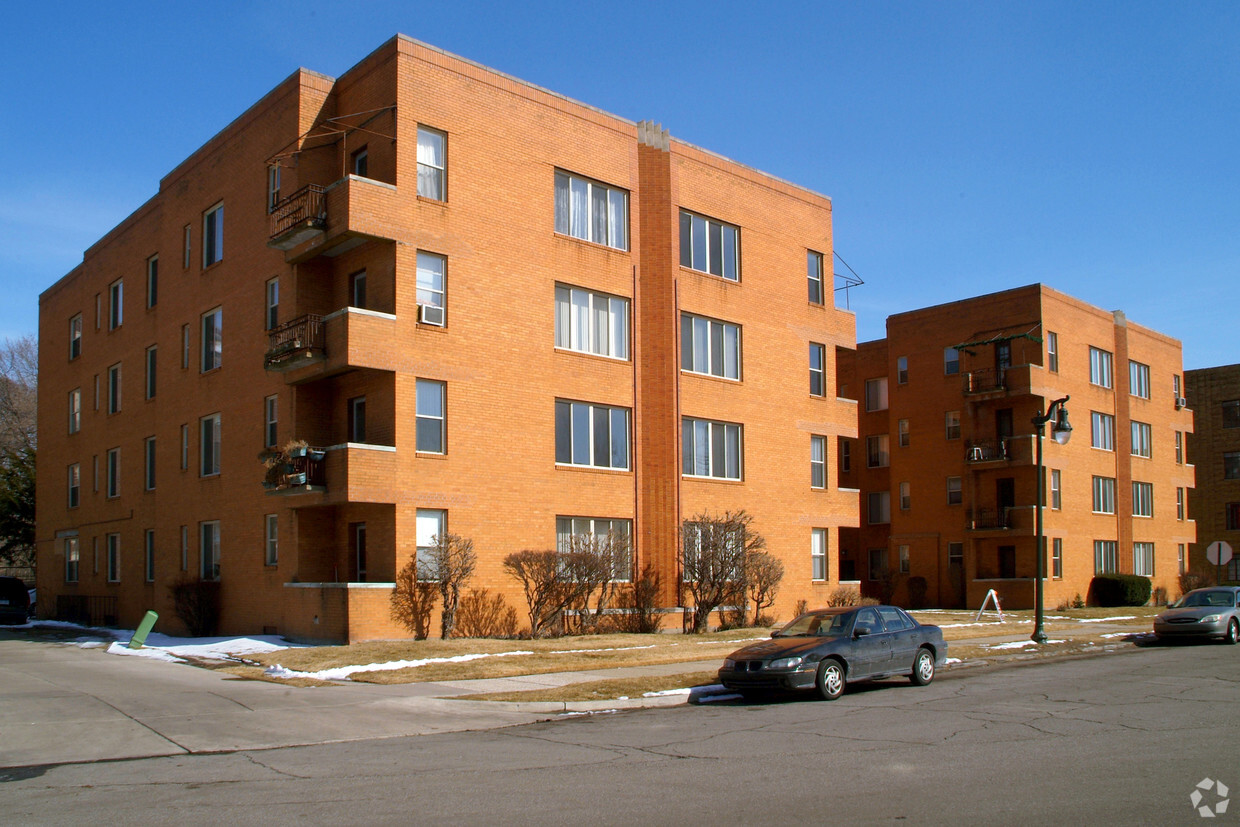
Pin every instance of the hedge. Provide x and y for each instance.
(1119, 590)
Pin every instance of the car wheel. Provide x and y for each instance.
(830, 681)
(1233, 632)
(923, 667)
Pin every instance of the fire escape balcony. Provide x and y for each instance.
(348, 473)
(329, 220)
(312, 347)
(298, 218)
(1006, 521)
(295, 344)
(989, 519)
(986, 450)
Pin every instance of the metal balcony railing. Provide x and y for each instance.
(986, 450)
(989, 519)
(984, 380)
(301, 336)
(305, 208)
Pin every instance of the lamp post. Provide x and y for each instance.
(1061, 432)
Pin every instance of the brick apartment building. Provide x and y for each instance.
(945, 457)
(1214, 449)
(500, 312)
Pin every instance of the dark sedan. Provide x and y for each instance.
(1202, 613)
(828, 648)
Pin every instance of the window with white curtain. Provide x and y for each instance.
(1102, 430)
(1141, 436)
(432, 280)
(1106, 557)
(711, 449)
(1139, 380)
(818, 462)
(818, 553)
(710, 347)
(432, 164)
(1143, 499)
(1099, 367)
(1143, 559)
(593, 435)
(591, 211)
(591, 322)
(1104, 495)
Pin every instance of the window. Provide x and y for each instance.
(952, 423)
(152, 281)
(1141, 439)
(431, 402)
(1139, 379)
(114, 389)
(845, 455)
(186, 246)
(432, 278)
(357, 551)
(713, 348)
(818, 462)
(75, 337)
(148, 547)
(1106, 557)
(357, 419)
(1175, 385)
(1057, 558)
(592, 322)
(592, 211)
(212, 235)
(877, 453)
(1104, 495)
(185, 447)
(1181, 550)
(1143, 499)
(1232, 516)
(212, 339)
(359, 163)
(878, 509)
(878, 563)
(1180, 508)
(271, 545)
(876, 394)
(904, 559)
(272, 314)
(1143, 559)
(1179, 447)
(209, 549)
(817, 370)
(1056, 490)
(711, 449)
(270, 421)
(98, 310)
(431, 523)
(112, 546)
(902, 429)
(955, 494)
(184, 548)
(709, 246)
(618, 531)
(813, 269)
(818, 553)
(112, 476)
(951, 361)
(1099, 367)
(184, 347)
(1231, 465)
(906, 496)
(902, 370)
(150, 372)
(75, 410)
(591, 435)
(357, 289)
(116, 304)
(432, 164)
(1231, 414)
(273, 186)
(72, 555)
(75, 484)
(209, 430)
(148, 464)
(1102, 430)
(1052, 351)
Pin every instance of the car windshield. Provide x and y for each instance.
(809, 625)
(1207, 599)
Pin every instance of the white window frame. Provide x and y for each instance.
(75, 337)
(358, 296)
(904, 558)
(271, 308)
(209, 445)
(710, 347)
(906, 496)
(74, 498)
(430, 523)
(578, 314)
(1056, 558)
(1143, 559)
(209, 550)
(702, 437)
(273, 186)
(1100, 368)
(1052, 351)
(271, 540)
(1141, 436)
(818, 462)
(818, 541)
(75, 410)
(951, 361)
(116, 304)
(951, 425)
(568, 415)
(817, 372)
(1142, 499)
(1103, 495)
(575, 194)
(1106, 557)
(211, 327)
(271, 421)
(1138, 379)
(431, 170)
(426, 392)
(1181, 510)
(212, 235)
(569, 527)
(1102, 431)
(432, 287)
(73, 559)
(1056, 483)
(814, 272)
(902, 433)
(955, 490)
(695, 246)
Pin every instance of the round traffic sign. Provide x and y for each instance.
(1219, 552)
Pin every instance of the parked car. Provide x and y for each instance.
(14, 600)
(826, 649)
(1202, 613)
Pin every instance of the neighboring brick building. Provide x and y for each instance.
(945, 458)
(1214, 449)
(471, 292)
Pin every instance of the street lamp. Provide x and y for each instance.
(1061, 432)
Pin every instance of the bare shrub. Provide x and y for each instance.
(413, 600)
(641, 617)
(844, 596)
(450, 562)
(541, 580)
(712, 558)
(590, 564)
(801, 608)
(196, 603)
(1190, 580)
(764, 574)
(482, 614)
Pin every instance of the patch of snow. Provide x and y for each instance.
(118, 648)
(1106, 619)
(610, 649)
(1020, 644)
(342, 673)
(663, 693)
(952, 660)
(577, 714)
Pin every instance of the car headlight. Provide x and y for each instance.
(728, 663)
(1212, 618)
(786, 663)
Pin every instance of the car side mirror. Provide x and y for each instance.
(860, 631)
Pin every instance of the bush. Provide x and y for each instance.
(413, 600)
(482, 614)
(1120, 590)
(197, 604)
(1190, 580)
(642, 619)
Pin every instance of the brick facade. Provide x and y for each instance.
(1214, 450)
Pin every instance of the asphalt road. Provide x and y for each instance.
(1120, 738)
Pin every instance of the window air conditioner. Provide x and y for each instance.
(1180, 402)
(430, 314)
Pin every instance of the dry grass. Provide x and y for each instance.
(611, 690)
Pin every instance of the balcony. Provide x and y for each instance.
(298, 218)
(348, 473)
(990, 519)
(986, 450)
(314, 347)
(984, 381)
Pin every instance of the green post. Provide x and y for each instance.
(144, 629)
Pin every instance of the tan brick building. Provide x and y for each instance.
(500, 312)
(945, 458)
(1214, 449)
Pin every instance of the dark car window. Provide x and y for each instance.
(894, 619)
(868, 619)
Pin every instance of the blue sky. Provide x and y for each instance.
(968, 147)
